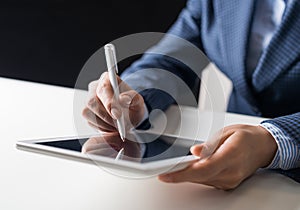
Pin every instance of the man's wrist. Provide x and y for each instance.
(268, 145)
(287, 153)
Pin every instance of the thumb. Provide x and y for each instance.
(201, 150)
(131, 99)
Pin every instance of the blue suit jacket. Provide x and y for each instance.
(221, 30)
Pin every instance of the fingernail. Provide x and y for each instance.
(115, 113)
(126, 99)
(192, 148)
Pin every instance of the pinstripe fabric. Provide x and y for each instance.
(289, 126)
(221, 29)
(288, 153)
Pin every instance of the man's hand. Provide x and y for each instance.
(103, 109)
(241, 151)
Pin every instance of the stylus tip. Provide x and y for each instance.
(122, 137)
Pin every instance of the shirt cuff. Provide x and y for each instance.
(288, 154)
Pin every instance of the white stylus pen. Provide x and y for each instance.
(111, 61)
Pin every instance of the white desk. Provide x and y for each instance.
(32, 181)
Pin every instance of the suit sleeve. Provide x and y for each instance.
(165, 75)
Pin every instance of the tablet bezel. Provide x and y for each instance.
(149, 168)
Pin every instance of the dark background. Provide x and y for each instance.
(50, 40)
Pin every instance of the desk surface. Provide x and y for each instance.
(32, 181)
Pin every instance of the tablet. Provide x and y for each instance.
(142, 153)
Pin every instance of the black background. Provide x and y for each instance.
(50, 40)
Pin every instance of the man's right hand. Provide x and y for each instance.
(102, 109)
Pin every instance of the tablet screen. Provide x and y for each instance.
(138, 147)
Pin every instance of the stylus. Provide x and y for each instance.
(111, 61)
(120, 154)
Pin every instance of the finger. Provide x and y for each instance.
(101, 128)
(92, 87)
(106, 95)
(123, 86)
(202, 150)
(94, 126)
(190, 174)
(201, 171)
(131, 99)
(95, 105)
(185, 175)
(213, 143)
(133, 107)
(96, 121)
(196, 149)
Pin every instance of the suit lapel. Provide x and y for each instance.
(236, 18)
(282, 51)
